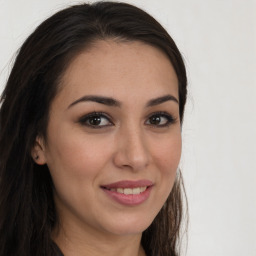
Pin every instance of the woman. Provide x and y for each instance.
(91, 137)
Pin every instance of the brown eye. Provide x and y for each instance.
(160, 119)
(155, 120)
(96, 120)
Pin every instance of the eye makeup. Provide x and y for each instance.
(160, 119)
(99, 120)
(96, 120)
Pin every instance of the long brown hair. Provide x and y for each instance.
(27, 211)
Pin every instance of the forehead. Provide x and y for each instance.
(119, 69)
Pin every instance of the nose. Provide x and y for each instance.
(131, 151)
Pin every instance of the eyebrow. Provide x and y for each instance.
(108, 101)
(161, 100)
(99, 99)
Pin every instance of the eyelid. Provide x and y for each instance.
(84, 118)
(170, 118)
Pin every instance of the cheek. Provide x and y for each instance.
(167, 157)
(76, 164)
(76, 154)
(167, 154)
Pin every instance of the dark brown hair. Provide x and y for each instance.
(27, 211)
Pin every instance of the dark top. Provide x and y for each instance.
(57, 249)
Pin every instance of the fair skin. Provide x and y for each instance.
(115, 119)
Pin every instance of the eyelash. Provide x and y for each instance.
(89, 117)
(85, 119)
(169, 119)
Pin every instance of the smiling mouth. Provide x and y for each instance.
(128, 191)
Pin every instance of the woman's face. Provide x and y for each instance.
(114, 138)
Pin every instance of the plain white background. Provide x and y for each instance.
(218, 41)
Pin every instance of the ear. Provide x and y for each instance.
(38, 151)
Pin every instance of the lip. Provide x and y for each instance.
(128, 184)
(131, 199)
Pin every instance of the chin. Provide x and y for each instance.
(129, 226)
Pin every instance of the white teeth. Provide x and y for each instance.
(136, 191)
(129, 191)
(120, 190)
(142, 189)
